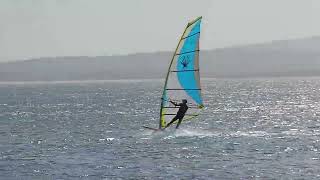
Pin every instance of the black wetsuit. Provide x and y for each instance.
(180, 114)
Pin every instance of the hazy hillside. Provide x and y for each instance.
(280, 58)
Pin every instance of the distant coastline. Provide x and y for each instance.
(285, 58)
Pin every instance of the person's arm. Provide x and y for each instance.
(174, 103)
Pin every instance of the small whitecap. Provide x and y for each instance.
(168, 137)
(288, 149)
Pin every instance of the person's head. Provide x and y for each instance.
(184, 101)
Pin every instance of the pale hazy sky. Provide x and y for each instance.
(46, 28)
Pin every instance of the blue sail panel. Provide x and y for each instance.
(186, 64)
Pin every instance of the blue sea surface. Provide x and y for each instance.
(250, 129)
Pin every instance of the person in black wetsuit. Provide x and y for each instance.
(180, 114)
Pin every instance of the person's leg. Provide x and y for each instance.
(173, 120)
(179, 122)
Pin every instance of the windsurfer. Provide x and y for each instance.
(180, 114)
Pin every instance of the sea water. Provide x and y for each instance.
(250, 129)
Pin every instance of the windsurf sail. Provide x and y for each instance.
(183, 77)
